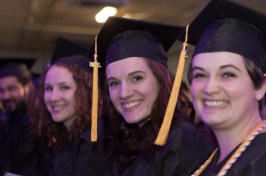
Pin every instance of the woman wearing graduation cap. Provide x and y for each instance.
(65, 112)
(138, 87)
(228, 86)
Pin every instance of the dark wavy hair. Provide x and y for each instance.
(124, 142)
(56, 133)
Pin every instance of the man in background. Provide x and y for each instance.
(16, 86)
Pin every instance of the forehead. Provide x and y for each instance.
(59, 74)
(218, 59)
(8, 80)
(127, 65)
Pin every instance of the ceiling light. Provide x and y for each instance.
(102, 16)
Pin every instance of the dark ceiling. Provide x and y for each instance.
(30, 27)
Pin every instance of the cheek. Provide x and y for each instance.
(17, 94)
(68, 96)
(113, 94)
(195, 88)
(72, 99)
(46, 98)
(156, 92)
(152, 91)
(234, 91)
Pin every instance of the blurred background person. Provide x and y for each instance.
(16, 88)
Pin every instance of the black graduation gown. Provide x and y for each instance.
(44, 159)
(3, 129)
(62, 162)
(3, 134)
(184, 146)
(252, 161)
(89, 158)
(80, 158)
(20, 146)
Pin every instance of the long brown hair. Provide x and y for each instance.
(124, 142)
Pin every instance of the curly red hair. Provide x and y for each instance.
(57, 134)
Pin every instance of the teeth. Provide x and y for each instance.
(216, 103)
(130, 105)
(58, 108)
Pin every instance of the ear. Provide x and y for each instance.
(261, 91)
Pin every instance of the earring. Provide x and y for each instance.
(258, 96)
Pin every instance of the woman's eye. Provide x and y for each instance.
(228, 74)
(64, 87)
(48, 88)
(137, 78)
(112, 84)
(198, 75)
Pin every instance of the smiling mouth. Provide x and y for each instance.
(58, 108)
(216, 103)
(131, 104)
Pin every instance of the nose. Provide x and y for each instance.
(54, 95)
(211, 86)
(126, 91)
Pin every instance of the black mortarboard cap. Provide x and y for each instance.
(120, 38)
(15, 66)
(73, 53)
(224, 25)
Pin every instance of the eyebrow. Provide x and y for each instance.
(61, 83)
(230, 65)
(131, 73)
(197, 68)
(221, 67)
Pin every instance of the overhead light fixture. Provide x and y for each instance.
(107, 11)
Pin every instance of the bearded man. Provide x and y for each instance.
(18, 153)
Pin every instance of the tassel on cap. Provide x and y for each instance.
(164, 130)
(94, 111)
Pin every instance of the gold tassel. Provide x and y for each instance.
(164, 130)
(94, 111)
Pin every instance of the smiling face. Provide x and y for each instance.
(133, 88)
(222, 91)
(59, 95)
(13, 94)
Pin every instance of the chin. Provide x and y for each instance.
(57, 119)
(131, 121)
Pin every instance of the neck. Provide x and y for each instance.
(229, 139)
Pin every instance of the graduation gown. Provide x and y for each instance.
(20, 146)
(89, 158)
(184, 146)
(62, 162)
(80, 158)
(3, 134)
(252, 161)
